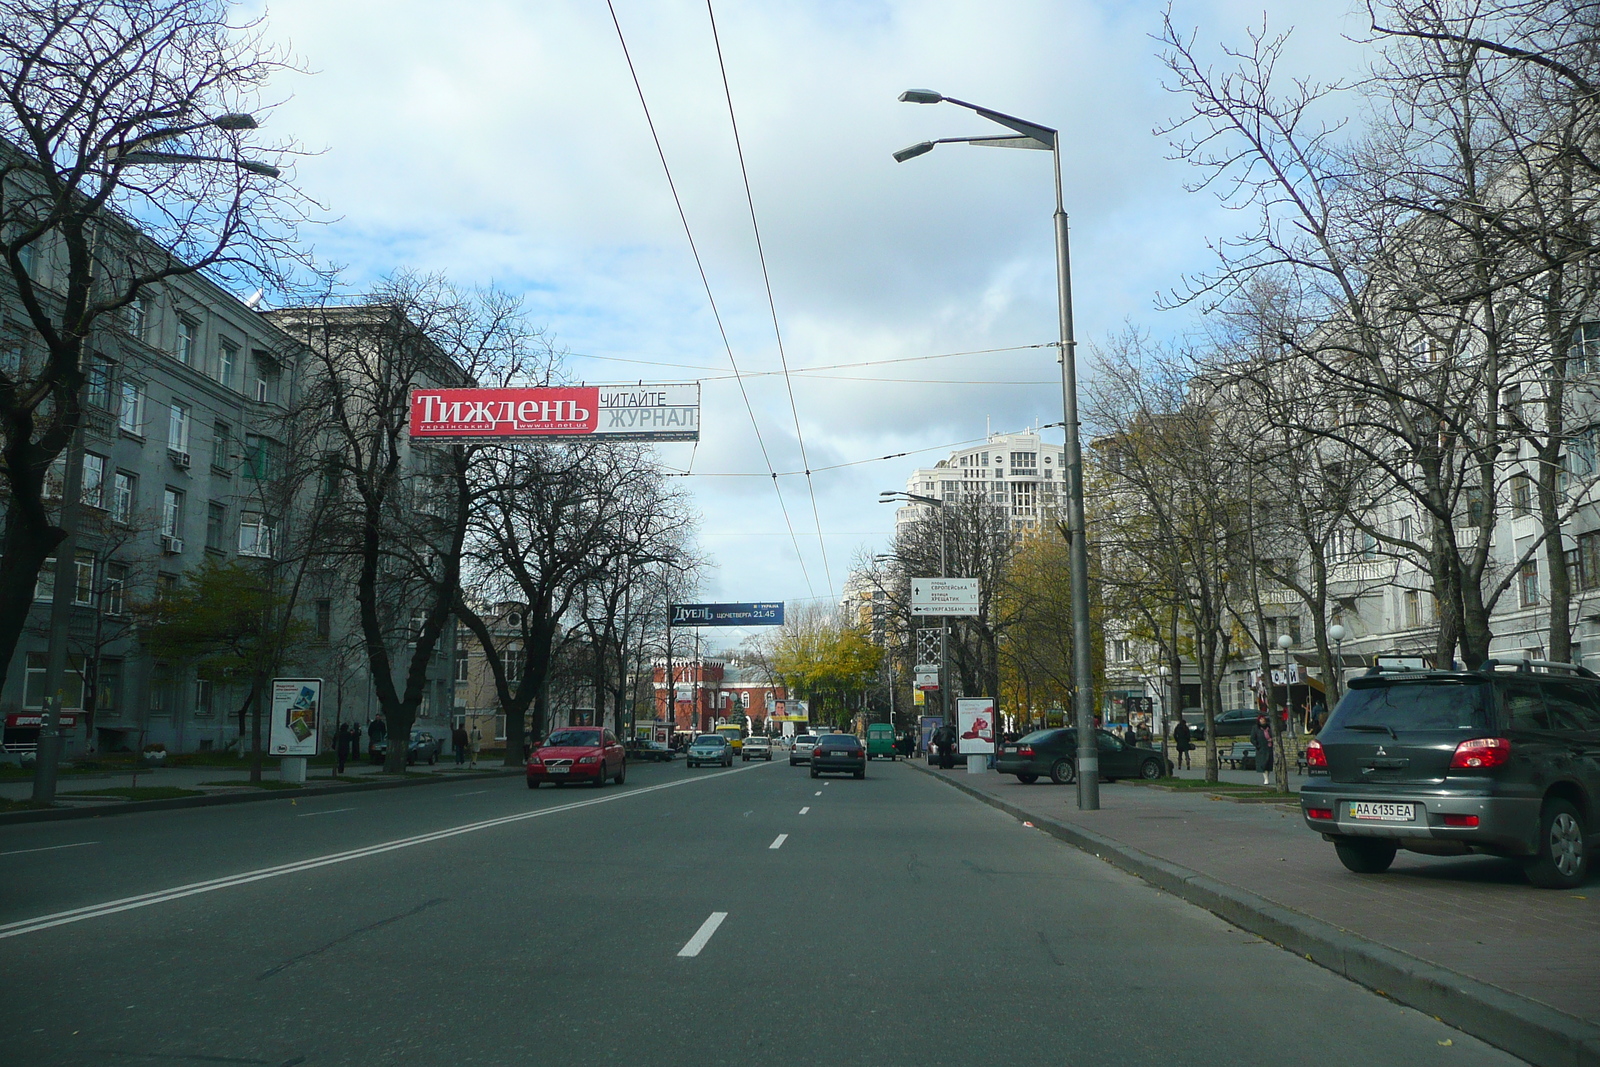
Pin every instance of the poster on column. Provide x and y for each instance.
(296, 710)
(975, 724)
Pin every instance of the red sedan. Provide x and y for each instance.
(579, 753)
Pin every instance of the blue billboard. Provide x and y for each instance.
(726, 614)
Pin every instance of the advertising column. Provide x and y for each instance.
(976, 731)
(296, 718)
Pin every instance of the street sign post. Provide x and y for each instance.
(944, 596)
(656, 412)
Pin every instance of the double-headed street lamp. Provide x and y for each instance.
(945, 705)
(1042, 138)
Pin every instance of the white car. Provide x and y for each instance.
(801, 752)
(756, 748)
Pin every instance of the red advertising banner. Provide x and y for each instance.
(641, 412)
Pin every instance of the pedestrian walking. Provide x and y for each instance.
(1319, 715)
(475, 742)
(946, 740)
(1180, 741)
(458, 741)
(1261, 738)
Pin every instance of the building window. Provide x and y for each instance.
(257, 457)
(1025, 459)
(1283, 624)
(202, 698)
(44, 586)
(178, 428)
(227, 359)
(172, 512)
(93, 490)
(33, 691)
(108, 687)
(111, 597)
(1528, 584)
(255, 535)
(324, 619)
(221, 446)
(124, 496)
(1411, 605)
(188, 329)
(1589, 560)
(83, 584)
(1521, 494)
(463, 664)
(97, 385)
(1583, 356)
(1511, 405)
(216, 525)
(130, 412)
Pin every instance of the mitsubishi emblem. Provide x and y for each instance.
(1381, 752)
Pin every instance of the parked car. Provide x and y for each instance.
(710, 748)
(1504, 760)
(1054, 753)
(651, 752)
(756, 747)
(839, 754)
(423, 747)
(880, 741)
(1235, 722)
(578, 753)
(801, 751)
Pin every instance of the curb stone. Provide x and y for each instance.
(1525, 1028)
(95, 811)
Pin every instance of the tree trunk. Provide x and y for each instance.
(257, 755)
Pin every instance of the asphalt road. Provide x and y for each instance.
(887, 921)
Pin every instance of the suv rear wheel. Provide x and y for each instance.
(1562, 862)
(1365, 857)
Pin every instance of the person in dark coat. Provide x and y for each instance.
(1261, 738)
(1181, 742)
(1129, 738)
(946, 740)
(458, 741)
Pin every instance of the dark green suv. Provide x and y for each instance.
(1503, 760)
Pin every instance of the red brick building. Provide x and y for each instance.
(710, 690)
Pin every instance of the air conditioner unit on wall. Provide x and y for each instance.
(179, 459)
(171, 545)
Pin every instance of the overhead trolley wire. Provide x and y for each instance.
(772, 306)
(811, 370)
(706, 282)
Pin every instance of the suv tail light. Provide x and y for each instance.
(1461, 820)
(1481, 752)
(1319, 813)
(1315, 757)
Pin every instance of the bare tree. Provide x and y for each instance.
(125, 159)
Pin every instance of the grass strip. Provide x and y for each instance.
(143, 792)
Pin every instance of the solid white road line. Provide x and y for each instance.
(805, 809)
(702, 935)
(48, 848)
(144, 900)
(330, 811)
(475, 792)
(778, 841)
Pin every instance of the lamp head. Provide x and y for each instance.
(919, 149)
(921, 96)
(1336, 632)
(1284, 641)
(234, 120)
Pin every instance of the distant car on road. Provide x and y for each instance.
(880, 741)
(711, 748)
(584, 754)
(422, 748)
(756, 748)
(1235, 722)
(839, 754)
(1055, 753)
(801, 752)
(652, 752)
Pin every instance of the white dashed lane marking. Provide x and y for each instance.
(702, 935)
(778, 841)
(804, 810)
(330, 811)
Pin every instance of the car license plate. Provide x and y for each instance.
(1376, 811)
(559, 770)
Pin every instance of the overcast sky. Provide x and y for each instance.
(503, 142)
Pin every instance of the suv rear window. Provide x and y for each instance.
(1426, 704)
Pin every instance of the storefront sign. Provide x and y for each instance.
(296, 711)
(640, 412)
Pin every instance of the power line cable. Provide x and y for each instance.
(706, 282)
(772, 305)
(809, 370)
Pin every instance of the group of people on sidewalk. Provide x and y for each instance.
(1260, 739)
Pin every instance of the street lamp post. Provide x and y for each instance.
(1338, 633)
(1043, 138)
(945, 705)
(1285, 642)
(47, 751)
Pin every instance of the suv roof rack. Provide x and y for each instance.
(1527, 665)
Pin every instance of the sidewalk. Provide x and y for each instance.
(193, 777)
(1474, 916)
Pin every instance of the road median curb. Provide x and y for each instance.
(1525, 1028)
(130, 807)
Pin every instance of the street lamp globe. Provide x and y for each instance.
(1285, 641)
(1336, 633)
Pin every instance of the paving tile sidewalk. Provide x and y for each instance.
(1475, 915)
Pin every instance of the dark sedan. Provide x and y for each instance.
(1054, 753)
(839, 754)
(1235, 722)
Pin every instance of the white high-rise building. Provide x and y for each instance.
(1016, 472)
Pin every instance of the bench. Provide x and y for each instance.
(1238, 754)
